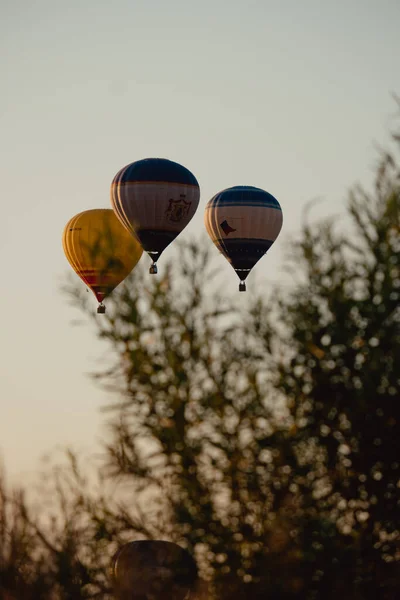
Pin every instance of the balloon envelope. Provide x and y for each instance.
(100, 250)
(153, 568)
(155, 199)
(243, 222)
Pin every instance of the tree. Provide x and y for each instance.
(342, 324)
(263, 437)
(50, 549)
(266, 438)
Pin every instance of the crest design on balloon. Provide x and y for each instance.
(155, 199)
(177, 209)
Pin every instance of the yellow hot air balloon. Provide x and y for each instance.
(100, 250)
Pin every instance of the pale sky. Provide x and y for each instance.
(285, 95)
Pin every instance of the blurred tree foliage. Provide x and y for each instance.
(264, 438)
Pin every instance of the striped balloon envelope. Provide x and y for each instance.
(155, 199)
(243, 222)
(153, 569)
(100, 250)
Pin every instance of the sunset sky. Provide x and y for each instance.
(289, 96)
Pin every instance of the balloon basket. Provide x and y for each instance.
(101, 309)
(242, 286)
(153, 270)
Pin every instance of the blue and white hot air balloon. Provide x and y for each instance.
(243, 222)
(155, 199)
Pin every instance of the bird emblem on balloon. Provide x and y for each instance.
(243, 222)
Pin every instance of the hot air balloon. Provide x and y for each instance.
(100, 250)
(153, 569)
(243, 222)
(155, 199)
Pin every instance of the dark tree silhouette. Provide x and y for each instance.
(262, 437)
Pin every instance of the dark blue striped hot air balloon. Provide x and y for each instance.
(155, 199)
(243, 222)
